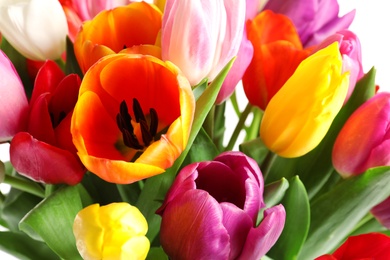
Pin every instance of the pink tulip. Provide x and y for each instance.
(13, 100)
(89, 9)
(350, 50)
(211, 211)
(364, 140)
(200, 36)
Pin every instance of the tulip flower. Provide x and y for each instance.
(277, 53)
(382, 212)
(364, 140)
(350, 50)
(13, 100)
(111, 31)
(364, 246)
(133, 117)
(300, 114)
(45, 152)
(314, 19)
(33, 31)
(114, 231)
(201, 37)
(211, 209)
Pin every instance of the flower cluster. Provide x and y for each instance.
(115, 116)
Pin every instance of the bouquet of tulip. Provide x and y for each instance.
(115, 113)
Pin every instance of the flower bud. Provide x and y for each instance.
(301, 112)
(114, 231)
(33, 31)
(364, 140)
(201, 37)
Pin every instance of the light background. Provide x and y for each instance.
(371, 24)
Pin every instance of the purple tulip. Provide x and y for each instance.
(211, 211)
(382, 212)
(314, 19)
(364, 140)
(13, 100)
(350, 50)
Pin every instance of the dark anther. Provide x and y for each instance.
(148, 131)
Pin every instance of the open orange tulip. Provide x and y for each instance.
(133, 117)
(113, 30)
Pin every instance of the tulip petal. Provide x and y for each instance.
(263, 237)
(237, 223)
(382, 212)
(13, 100)
(44, 163)
(192, 228)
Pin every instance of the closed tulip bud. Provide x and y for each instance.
(350, 50)
(300, 114)
(364, 140)
(114, 231)
(14, 105)
(201, 37)
(211, 211)
(33, 31)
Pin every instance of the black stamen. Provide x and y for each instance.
(124, 112)
(153, 122)
(131, 140)
(139, 115)
(146, 136)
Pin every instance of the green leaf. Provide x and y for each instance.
(255, 149)
(23, 247)
(296, 204)
(156, 187)
(315, 168)
(16, 205)
(202, 149)
(52, 220)
(274, 192)
(156, 253)
(72, 66)
(129, 192)
(335, 214)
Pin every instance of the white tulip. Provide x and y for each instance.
(35, 28)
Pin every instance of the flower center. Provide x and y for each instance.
(140, 133)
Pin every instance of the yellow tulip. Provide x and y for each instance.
(300, 114)
(114, 231)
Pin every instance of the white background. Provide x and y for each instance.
(371, 24)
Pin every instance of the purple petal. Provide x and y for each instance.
(192, 228)
(245, 166)
(262, 238)
(237, 223)
(382, 212)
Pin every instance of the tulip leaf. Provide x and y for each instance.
(156, 253)
(72, 66)
(335, 214)
(52, 220)
(255, 149)
(315, 168)
(24, 247)
(202, 149)
(296, 204)
(156, 187)
(274, 192)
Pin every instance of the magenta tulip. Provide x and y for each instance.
(382, 212)
(314, 19)
(13, 100)
(350, 50)
(364, 140)
(211, 211)
(201, 37)
(45, 151)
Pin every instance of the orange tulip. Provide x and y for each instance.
(111, 31)
(133, 117)
(277, 53)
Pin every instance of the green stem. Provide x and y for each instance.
(25, 185)
(208, 124)
(240, 125)
(267, 164)
(253, 130)
(49, 189)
